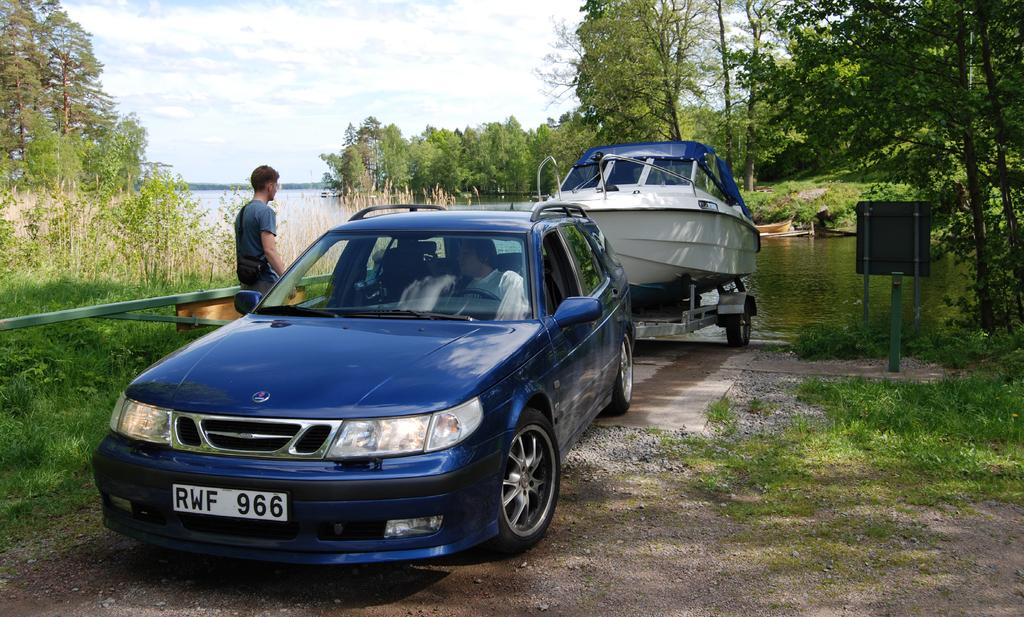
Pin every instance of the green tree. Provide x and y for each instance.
(76, 101)
(49, 84)
(422, 154)
(332, 177)
(115, 162)
(394, 157)
(903, 85)
(477, 169)
(445, 166)
(354, 175)
(369, 138)
(755, 63)
(722, 8)
(158, 230)
(631, 64)
(53, 160)
(21, 60)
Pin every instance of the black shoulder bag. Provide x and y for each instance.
(249, 267)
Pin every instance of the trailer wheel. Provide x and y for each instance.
(737, 330)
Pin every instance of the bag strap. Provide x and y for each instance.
(240, 224)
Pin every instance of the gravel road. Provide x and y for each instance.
(633, 535)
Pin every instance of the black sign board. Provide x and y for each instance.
(887, 229)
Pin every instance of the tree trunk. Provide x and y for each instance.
(977, 206)
(21, 117)
(725, 82)
(755, 50)
(677, 131)
(67, 96)
(1002, 172)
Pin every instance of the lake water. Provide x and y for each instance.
(803, 281)
(799, 281)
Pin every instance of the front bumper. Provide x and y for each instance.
(461, 484)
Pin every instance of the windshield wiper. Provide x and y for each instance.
(293, 309)
(406, 313)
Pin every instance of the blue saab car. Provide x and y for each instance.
(408, 389)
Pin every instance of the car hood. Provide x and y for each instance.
(337, 368)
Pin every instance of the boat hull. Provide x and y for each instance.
(662, 250)
(775, 228)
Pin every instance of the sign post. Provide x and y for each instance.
(896, 322)
(893, 237)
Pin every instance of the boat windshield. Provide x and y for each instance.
(658, 177)
(625, 172)
(403, 275)
(581, 177)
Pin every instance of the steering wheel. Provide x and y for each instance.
(483, 294)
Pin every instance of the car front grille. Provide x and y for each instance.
(249, 436)
(313, 438)
(261, 437)
(187, 431)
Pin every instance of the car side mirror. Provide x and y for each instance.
(246, 301)
(577, 310)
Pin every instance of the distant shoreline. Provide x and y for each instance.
(212, 186)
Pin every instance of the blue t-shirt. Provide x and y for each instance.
(259, 217)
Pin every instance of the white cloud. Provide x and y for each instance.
(173, 111)
(268, 76)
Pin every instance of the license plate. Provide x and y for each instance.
(262, 505)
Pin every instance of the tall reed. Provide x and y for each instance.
(160, 232)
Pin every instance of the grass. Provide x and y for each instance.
(948, 441)
(828, 496)
(801, 199)
(1000, 354)
(722, 417)
(58, 384)
(760, 408)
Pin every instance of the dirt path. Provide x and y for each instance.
(634, 534)
(635, 545)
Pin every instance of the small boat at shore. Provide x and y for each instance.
(775, 228)
(672, 213)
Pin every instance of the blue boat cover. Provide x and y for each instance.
(685, 150)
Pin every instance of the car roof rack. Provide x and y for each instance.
(567, 209)
(358, 216)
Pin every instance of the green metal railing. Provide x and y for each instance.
(124, 310)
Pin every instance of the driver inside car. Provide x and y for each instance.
(476, 262)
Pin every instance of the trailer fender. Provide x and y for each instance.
(732, 304)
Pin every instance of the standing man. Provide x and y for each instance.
(256, 232)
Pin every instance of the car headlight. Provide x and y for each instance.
(408, 434)
(451, 426)
(140, 421)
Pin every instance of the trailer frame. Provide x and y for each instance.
(732, 312)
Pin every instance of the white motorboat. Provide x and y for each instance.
(672, 213)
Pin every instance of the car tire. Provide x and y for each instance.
(526, 478)
(622, 391)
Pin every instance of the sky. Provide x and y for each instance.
(223, 87)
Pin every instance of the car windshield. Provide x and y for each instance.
(407, 275)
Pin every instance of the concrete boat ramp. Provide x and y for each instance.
(674, 381)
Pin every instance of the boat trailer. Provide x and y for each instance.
(732, 311)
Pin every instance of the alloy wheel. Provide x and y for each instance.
(528, 487)
(626, 370)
